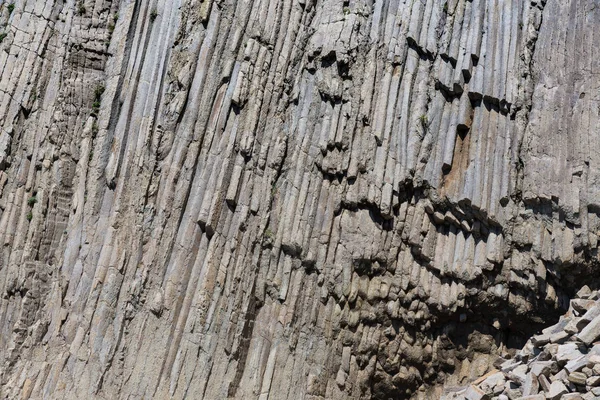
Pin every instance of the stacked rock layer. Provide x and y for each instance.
(282, 199)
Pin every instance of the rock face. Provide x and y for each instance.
(283, 199)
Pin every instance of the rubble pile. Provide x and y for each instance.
(563, 362)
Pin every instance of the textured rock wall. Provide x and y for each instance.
(282, 199)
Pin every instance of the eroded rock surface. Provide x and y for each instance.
(283, 199)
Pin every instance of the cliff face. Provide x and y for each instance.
(283, 199)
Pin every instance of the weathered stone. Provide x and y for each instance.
(591, 332)
(531, 385)
(519, 374)
(540, 340)
(572, 327)
(561, 375)
(577, 364)
(568, 352)
(593, 381)
(491, 381)
(513, 394)
(559, 337)
(474, 393)
(586, 318)
(577, 378)
(538, 368)
(572, 396)
(594, 359)
(582, 305)
(557, 389)
(584, 292)
(509, 365)
(544, 383)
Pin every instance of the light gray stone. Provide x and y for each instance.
(568, 352)
(591, 332)
(557, 389)
(572, 396)
(531, 385)
(539, 368)
(474, 393)
(593, 381)
(576, 364)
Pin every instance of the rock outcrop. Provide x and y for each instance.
(282, 199)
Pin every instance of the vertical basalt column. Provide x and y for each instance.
(282, 199)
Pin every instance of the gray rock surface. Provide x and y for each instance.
(283, 199)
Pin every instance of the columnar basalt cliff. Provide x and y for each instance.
(285, 199)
